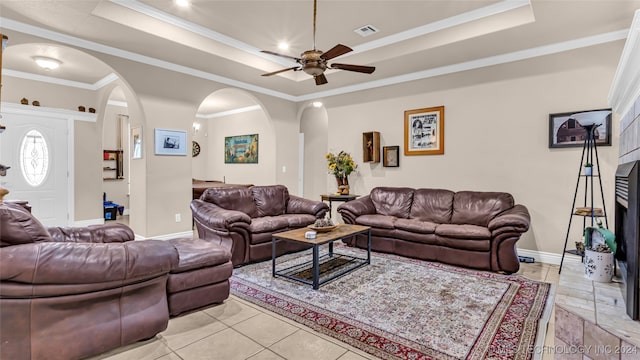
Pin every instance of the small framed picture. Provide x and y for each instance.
(171, 142)
(391, 156)
(568, 129)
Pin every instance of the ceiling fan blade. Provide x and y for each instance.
(283, 70)
(356, 68)
(320, 79)
(336, 51)
(281, 55)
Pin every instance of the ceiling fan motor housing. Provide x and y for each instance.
(312, 63)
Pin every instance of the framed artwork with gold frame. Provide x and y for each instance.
(424, 131)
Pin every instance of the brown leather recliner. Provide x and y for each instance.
(244, 219)
(70, 293)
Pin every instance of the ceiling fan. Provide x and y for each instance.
(315, 62)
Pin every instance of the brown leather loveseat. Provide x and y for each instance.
(466, 228)
(243, 219)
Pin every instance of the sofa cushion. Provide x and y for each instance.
(416, 226)
(268, 224)
(198, 253)
(478, 208)
(392, 201)
(376, 221)
(463, 231)
(270, 200)
(298, 220)
(19, 226)
(434, 205)
(232, 198)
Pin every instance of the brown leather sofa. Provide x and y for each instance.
(71, 293)
(466, 228)
(243, 219)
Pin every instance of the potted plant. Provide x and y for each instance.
(341, 165)
(599, 251)
(588, 169)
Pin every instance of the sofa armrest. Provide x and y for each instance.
(517, 219)
(298, 205)
(217, 217)
(106, 233)
(65, 263)
(350, 210)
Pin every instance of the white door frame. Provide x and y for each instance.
(60, 114)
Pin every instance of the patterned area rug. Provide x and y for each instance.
(400, 308)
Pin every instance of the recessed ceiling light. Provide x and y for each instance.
(183, 3)
(283, 46)
(47, 63)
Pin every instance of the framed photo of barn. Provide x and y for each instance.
(566, 131)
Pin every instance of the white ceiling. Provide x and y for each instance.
(220, 40)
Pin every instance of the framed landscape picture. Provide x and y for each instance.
(170, 142)
(565, 129)
(424, 131)
(242, 149)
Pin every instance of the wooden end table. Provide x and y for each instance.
(332, 197)
(340, 232)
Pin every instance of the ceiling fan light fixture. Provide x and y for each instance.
(47, 63)
(182, 3)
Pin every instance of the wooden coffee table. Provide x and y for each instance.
(351, 263)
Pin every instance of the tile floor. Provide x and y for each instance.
(240, 330)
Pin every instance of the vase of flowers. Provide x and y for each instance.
(341, 165)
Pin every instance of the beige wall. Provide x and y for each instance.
(88, 171)
(496, 139)
(314, 125)
(247, 123)
(201, 162)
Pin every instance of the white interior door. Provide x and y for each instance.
(36, 148)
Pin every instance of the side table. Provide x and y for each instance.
(342, 198)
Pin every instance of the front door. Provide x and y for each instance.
(36, 149)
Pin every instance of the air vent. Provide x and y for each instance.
(366, 30)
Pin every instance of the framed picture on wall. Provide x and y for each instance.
(242, 149)
(171, 142)
(391, 156)
(136, 142)
(424, 131)
(566, 130)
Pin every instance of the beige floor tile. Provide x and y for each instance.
(232, 311)
(185, 330)
(171, 356)
(307, 346)
(352, 356)
(224, 345)
(264, 329)
(266, 354)
(142, 350)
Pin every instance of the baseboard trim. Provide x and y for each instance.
(83, 223)
(548, 258)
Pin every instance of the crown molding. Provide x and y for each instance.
(57, 81)
(42, 111)
(443, 70)
(229, 112)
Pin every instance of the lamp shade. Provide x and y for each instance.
(591, 117)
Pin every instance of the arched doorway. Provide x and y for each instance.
(223, 117)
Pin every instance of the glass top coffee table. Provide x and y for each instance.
(347, 263)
